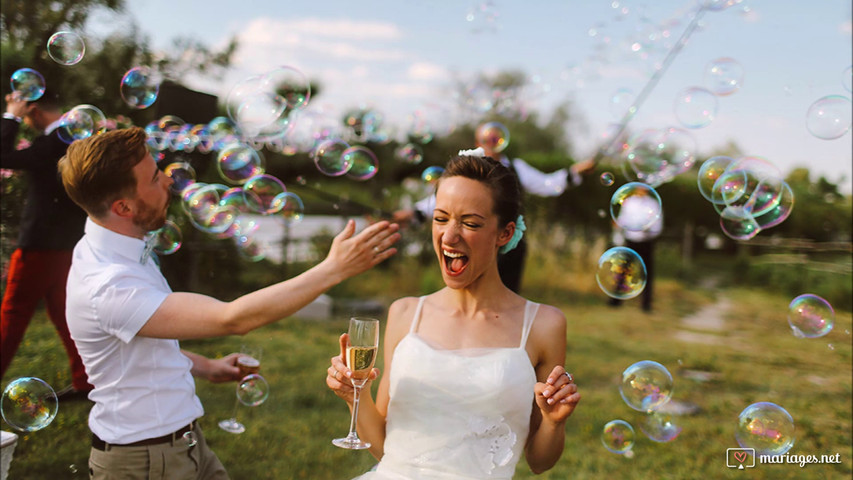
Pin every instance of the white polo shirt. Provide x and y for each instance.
(143, 386)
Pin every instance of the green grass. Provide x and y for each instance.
(757, 359)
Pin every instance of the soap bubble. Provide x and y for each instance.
(238, 162)
(292, 208)
(431, 174)
(27, 84)
(66, 48)
(765, 427)
(607, 179)
(695, 107)
(249, 248)
(635, 206)
(168, 238)
(646, 386)
(660, 427)
(724, 76)
(182, 175)
(656, 156)
(29, 404)
(290, 84)
(363, 161)
(810, 316)
(829, 117)
(779, 212)
(262, 194)
(409, 153)
(621, 273)
(253, 105)
(81, 122)
(253, 390)
(738, 224)
(618, 436)
(492, 136)
(330, 159)
(709, 173)
(190, 438)
(140, 86)
(620, 101)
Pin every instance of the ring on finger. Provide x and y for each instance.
(376, 250)
(569, 376)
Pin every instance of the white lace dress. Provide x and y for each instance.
(456, 414)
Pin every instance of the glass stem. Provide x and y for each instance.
(236, 404)
(354, 421)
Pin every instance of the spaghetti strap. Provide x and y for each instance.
(530, 311)
(417, 317)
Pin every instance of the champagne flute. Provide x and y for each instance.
(360, 355)
(249, 362)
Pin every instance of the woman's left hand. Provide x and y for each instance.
(558, 396)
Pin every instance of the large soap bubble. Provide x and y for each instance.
(646, 386)
(363, 160)
(140, 87)
(81, 122)
(618, 436)
(27, 84)
(695, 107)
(330, 158)
(493, 136)
(66, 48)
(28, 404)
(635, 206)
(724, 76)
(765, 427)
(621, 273)
(810, 316)
(829, 117)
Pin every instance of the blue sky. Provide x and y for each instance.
(403, 56)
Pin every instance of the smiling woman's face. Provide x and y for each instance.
(465, 231)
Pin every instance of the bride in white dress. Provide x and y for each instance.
(475, 372)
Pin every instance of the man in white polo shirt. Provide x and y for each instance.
(126, 321)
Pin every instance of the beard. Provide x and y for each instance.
(150, 218)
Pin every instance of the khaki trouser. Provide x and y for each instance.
(175, 460)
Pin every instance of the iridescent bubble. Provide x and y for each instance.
(234, 197)
(168, 238)
(182, 175)
(292, 208)
(660, 427)
(66, 48)
(199, 199)
(657, 156)
(190, 438)
(249, 248)
(724, 76)
(431, 174)
(238, 162)
(810, 316)
(695, 107)
(140, 86)
(829, 117)
(709, 173)
(81, 122)
(780, 211)
(29, 404)
(738, 224)
(766, 427)
(646, 386)
(635, 206)
(262, 194)
(254, 104)
(607, 179)
(253, 390)
(492, 136)
(364, 164)
(290, 84)
(409, 153)
(739, 183)
(27, 84)
(618, 436)
(330, 159)
(621, 273)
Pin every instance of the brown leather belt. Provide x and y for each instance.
(99, 444)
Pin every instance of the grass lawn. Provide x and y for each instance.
(753, 357)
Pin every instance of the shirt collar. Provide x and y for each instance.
(50, 128)
(106, 239)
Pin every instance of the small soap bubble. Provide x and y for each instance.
(66, 48)
(27, 84)
(253, 390)
(330, 159)
(724, 76)
(607, 179)
(409, 153)
(364, 164)
(431, 174)
(618, 436)
(766, 427)
(182, 175)
(660, 427)
(168, 238)
(140, 86)
(190, 438)
(810, 316)
(695, 107)
(646, 386)
(829, 117)
(492, 136)
(239, 162)
(29, 404)
(621, 273)
(262, 194)
(635, 206)
(72, 468)
(292, 208)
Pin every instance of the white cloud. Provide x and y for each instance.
(342, 28)
(426, 71)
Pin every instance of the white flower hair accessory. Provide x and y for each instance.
(474, 152)
(520, 227)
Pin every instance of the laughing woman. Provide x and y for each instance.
(476, 374)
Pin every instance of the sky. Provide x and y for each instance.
(399, 57)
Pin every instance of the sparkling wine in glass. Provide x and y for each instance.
(361, 350)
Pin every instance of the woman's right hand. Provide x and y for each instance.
(338, 375)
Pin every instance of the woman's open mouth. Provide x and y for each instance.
(454, 262)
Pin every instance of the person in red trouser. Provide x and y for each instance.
(51, 224)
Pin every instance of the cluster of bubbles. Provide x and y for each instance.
(765, 427)
(29, 404)
(657, 156)
(748, 193)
